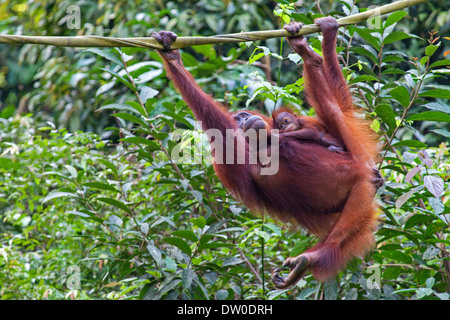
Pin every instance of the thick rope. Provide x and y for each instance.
(182, 42)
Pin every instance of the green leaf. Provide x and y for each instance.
(122, 168)
(147, 76)
(197, 195)
(109, 165)
(215, 245)
(147, 93)
(430, 50)
(115, 203)
(440, 63)
(160, 135)
(430, 282)
(120, 78)
(86, 214)
(58, 174)
(424, 60)
(392, 70)
(299, 247)
(118, 106)
(130, 117)
(364, 52)
(436, 93)
(385, 112)
(397, 256)
(430, 116)
(139, 141)
(375, 125)
(199, 222)
(391, 246)
(106, 87)
(72, 170)
(179, 117)
(144, 65)
(442, 132)
(187, 277)
(235, 210)
(400, 94)
(8, 112)
(363, 78)
(222, 294)
(423, 292)
(80, 175)
(100, 186)
(410, 143)
(438, 106)
(106, 54)
(256, 57)
(144, 227)
(137, 107)
(294, 57)
(180, 244)
(59, 194)
(207, 50)
(391, 58)
(394, 17)
(114, 222)
(154, 252)
(416, 220)
(170, 263)
(373, 41)
(442, 296)
(81, 214)
(437, 205)
(211, 277)
(330, 290)
(396, 36)
(186, 234)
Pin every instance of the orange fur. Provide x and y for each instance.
(352, 234)
(330, 194)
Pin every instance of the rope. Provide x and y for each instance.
(182, 42)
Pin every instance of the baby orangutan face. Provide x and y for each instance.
(286, 122)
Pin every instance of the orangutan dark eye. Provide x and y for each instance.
(286, 120)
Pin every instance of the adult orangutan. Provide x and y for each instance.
(331, 194)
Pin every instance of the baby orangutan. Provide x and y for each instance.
(304, 128)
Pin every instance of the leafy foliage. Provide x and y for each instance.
(106, 189)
